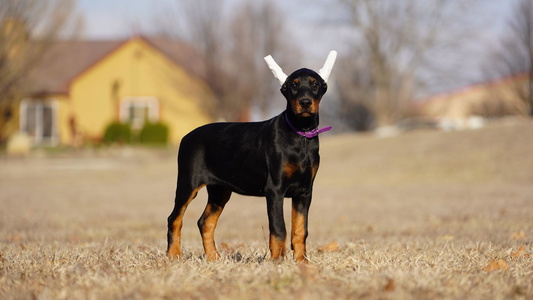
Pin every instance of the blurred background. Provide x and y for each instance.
(425, 177)
(82, 73)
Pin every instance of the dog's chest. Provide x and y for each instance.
(298, 177)
(301, 164)
(300, 170)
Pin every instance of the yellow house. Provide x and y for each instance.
(459, 109)
(80, 87)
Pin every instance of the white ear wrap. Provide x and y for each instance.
(276, 69)
(281, 76)
(328, 65)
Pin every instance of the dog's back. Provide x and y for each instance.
(229, 154)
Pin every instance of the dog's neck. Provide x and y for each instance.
(304, 126)
(302, 123)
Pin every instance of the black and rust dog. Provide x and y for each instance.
(276, 158)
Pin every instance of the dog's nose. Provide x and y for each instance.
(305, 102)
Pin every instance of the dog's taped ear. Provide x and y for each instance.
(281, 76)
(324, 72)
(328, 65)
(324, 87)
(276, 69)
(285, 88)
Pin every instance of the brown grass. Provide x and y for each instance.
(420, 216)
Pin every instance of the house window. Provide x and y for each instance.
(138, 110)
(38, 119)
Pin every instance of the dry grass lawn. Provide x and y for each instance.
(424, 215)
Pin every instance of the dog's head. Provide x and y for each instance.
(303, 90)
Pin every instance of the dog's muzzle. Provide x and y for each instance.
(305, 102)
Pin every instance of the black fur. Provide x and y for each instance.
(267, 159)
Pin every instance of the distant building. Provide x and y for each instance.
(465, 108)
(80, 87)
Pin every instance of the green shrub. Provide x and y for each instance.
(117, 133)
(154, 134)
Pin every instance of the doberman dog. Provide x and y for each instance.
(275, 159)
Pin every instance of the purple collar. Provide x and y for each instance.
(308, 134)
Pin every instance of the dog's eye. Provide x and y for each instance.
(315, 85)
(294, 86)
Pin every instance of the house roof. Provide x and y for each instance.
(67, 59)
(475, 88)
(63, 61)
(496, 97)
(182, 54)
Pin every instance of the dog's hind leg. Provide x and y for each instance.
(184, 195)
(218, 197)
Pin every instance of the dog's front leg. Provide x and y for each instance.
(300, 209)
(276, 224)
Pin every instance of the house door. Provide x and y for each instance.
(38, 119)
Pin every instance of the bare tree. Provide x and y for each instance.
(393, 47)
(257, 30)
(233, 41)
(201, 23)
(514, 54)
(27, 30)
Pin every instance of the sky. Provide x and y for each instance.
(106, 19)
(120, 19)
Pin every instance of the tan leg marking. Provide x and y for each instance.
(298, 236)
(277, 247)
(174, 251)
(211, 216)
(314, 170)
